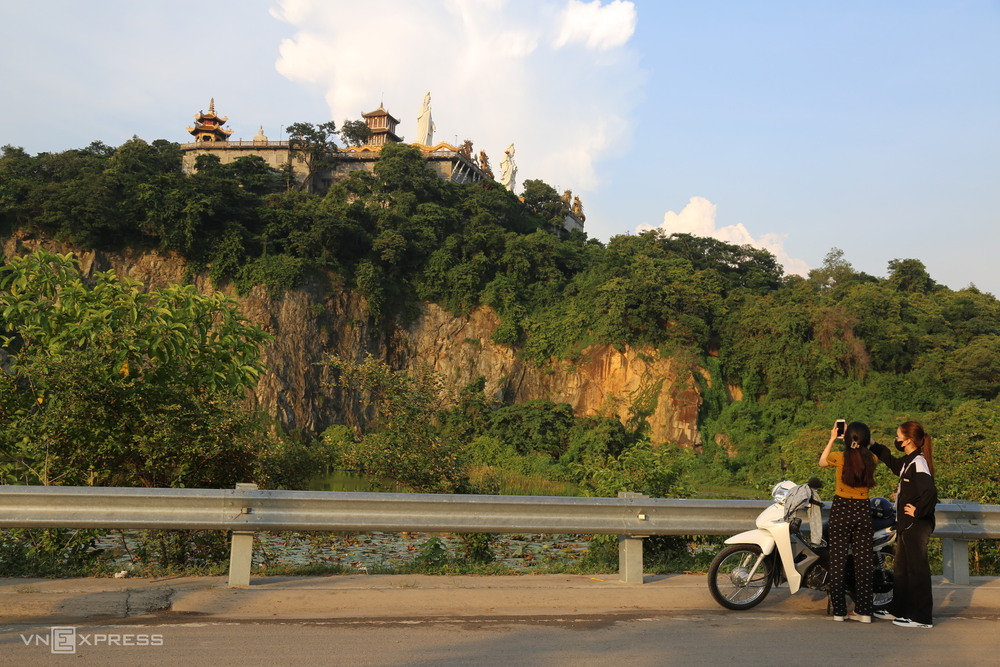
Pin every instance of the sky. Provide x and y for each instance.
(799, 127)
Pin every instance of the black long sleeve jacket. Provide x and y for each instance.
(916, 485)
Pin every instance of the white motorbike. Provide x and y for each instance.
(742, 574)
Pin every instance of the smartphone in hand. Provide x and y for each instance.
(841, 427)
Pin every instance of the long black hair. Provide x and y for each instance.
(859, 464)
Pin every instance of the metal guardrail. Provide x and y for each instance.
(252, 509)
(247, 509)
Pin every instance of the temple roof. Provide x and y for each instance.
(209, 127)
(379, 112)
(209, 122)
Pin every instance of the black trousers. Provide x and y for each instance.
(911, 586)
(850, 527)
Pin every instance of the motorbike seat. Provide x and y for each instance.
(879, 524)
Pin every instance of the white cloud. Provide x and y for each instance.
(492, 67)
(698, 219)
(597, 26)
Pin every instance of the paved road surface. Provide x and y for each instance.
(528, 620)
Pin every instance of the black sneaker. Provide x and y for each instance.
(884, 614)
(907, 623)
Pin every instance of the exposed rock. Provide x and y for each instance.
(602, 381)
(313, 321)
(723, 440)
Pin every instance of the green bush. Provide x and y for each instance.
(47, 552)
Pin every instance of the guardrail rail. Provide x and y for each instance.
(247, 509)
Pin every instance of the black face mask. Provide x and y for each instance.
(899, 445)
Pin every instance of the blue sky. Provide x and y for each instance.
(796, 126)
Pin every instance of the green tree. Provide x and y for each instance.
(314, 146)
(543, 201)
(254, 174)
(405, 442)
(739, 265)
(105, 384)
(16, 182)
(593, 439)
(974, 370)
(355, 132)
(884, 323)
(69, 195)
(403, 177)
(836, 272)
(967, 451)
(537, 426)
(641, 468)
(910, 275)
(137, 169)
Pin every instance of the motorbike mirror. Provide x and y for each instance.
(815, 483)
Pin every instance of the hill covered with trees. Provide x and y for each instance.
(777, 357)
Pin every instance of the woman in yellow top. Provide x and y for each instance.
(851, 520)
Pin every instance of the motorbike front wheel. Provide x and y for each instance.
(730, 579)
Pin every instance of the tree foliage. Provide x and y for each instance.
(105, 384)
(784, 353)
(404, 444)
(354, 132)
(314, 146)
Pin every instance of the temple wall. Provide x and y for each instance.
(276, 155)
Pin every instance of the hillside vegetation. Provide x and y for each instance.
(780, 357)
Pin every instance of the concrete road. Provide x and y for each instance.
(529, 620)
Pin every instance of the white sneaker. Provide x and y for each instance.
(884, 614)
(907, 623)
(839, 618)
(860, 618)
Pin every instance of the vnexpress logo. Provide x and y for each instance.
(59, 640)
(62, 640)
(65, 639)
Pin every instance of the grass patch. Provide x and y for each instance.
(497, 481)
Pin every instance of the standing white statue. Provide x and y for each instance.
(508, 170)
(425, 125)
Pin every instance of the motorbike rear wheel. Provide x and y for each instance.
(882, 581)
(729, 577)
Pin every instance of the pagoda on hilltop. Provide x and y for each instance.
(382, 125)
(208, 126)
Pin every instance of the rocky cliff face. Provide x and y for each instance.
(315, 320)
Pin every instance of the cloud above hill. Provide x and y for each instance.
(698, 219)
(556, 78)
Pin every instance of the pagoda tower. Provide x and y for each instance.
(208, 126)
(382, 125)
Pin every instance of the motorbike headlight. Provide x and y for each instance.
(780, 491)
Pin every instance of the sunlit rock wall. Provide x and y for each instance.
(319, 319)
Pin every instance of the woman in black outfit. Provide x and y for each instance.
(916, 497)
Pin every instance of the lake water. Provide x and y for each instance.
(380, 549)
(366, 551)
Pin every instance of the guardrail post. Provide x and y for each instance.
(241, 553)
(630, 559)
(955, 560)
(630, 551)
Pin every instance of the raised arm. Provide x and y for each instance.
(823, 463)
(882, 453)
